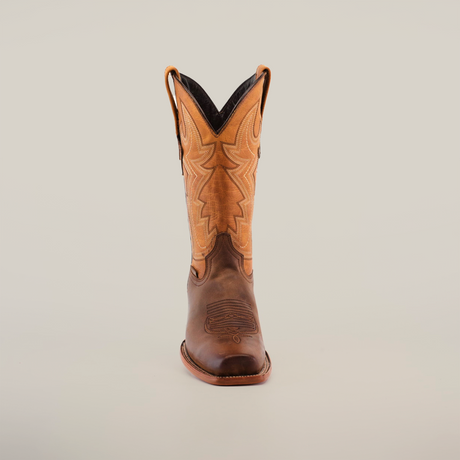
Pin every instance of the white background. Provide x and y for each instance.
(356, 230)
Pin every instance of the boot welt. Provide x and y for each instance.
(200, 373)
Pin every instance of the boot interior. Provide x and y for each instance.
(216, 118)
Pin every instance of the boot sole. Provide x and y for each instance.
(200, 373)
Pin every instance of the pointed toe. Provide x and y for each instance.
(238, 365)
(230, 364)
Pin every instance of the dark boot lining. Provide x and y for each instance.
(216, 118)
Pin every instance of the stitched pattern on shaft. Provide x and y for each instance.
(220, 175)
(196, 178)
(243, 154)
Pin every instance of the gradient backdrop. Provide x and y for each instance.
(356, 230)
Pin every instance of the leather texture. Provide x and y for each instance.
(223, 333)
(219, 151)
(220, 170)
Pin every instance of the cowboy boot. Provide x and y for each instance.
(219, 152)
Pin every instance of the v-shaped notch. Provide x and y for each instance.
(216, 118)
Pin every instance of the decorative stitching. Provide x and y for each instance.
(194, 168)
(243, 154)
(230, 317)
(245, 165)
(221, 238)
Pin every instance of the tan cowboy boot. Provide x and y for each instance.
(219, 152)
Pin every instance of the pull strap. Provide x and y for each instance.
(170, 69)
(268, 76)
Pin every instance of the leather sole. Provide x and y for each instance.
(197, 371)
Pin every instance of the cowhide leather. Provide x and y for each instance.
(219, 152)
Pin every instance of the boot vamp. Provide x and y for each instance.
(223, 333)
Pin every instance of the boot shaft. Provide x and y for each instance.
(219, 152)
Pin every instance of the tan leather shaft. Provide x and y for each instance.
(220, 169)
